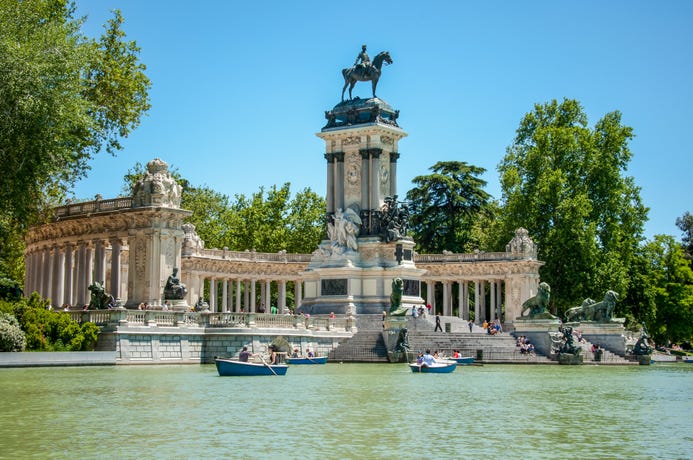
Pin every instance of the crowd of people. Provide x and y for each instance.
(493, 328)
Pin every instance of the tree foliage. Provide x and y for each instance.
(685, 224)
(63, 98)
(566, 184)
(444, 206)
(48, 330)
(665, 297)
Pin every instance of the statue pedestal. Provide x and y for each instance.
(178, 304)
(607, 335)
(537, 331)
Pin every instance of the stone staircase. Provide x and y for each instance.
(367, 344)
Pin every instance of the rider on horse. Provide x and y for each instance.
(365, 63)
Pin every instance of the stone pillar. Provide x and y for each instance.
(100, 261)
(253, 282)
(282, 296)
(447, 304)
(246, 297)
(268, 293)
(89, 271)
(492, 307)
(499, 306)
(46, 273)
(213, 295)
(53, 269)
(298, 293)
(477, 300)
(375, 178)
(238, 296)
(430, 295)
(393, 173)
(116, 267)
(69, 274)
(365, 178)
(329, 197)
(80, 276)
(339, 180)
(224, 295)
(60, 278)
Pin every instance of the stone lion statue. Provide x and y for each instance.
(590, 310)
(396, 308)
(539, 304)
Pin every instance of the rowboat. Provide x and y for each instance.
(463, 360)
(307, 360)
(232, 367)
(440, 367)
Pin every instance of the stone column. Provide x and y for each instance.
(282, 296)
(329, 197)
(246, 297)
(253, 282)
(375, 178)
(477, 300)
(447, 307)
(339, 180)
(393, 173)
(100, 261)
(492, 307)
(499, 306)
(298, 293)
(69, 274)
(116, 247)
(430, 295)
(268, 293)
(89, 270)
(46, 273)
(53, 269)
(365, 178)
(224, 295)
(213, 295)
(80, 276)
(60, 278)
(238, 296)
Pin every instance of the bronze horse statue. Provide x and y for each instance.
(359, 73)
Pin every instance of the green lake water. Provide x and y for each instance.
(349, 411)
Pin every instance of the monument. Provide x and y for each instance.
(365, 245)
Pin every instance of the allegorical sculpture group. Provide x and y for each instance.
(589, 310)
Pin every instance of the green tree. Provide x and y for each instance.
(668, 278)
(444, 206)
(565, 183)
(685, 224)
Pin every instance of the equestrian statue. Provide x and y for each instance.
(365, 70)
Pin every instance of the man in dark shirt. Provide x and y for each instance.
(244, 355)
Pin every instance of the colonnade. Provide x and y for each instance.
(63, 272)
(487, 295)
(241, 294)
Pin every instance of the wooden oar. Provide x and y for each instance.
(267, 365)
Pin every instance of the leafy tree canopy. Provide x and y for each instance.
(63, 98)
(685, 224)
(566, 184)
(444, 206)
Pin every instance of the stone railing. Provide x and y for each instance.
(466, 257)
(160, 318)
(253, 256)
(89, 207)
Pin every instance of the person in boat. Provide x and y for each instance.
(428, 359)
(295, 353)
(244, 355)
(455, 354)
(419, 359)
(273, 355)
(309, 353)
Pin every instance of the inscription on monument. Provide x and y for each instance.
(411, 287)
(334, 287)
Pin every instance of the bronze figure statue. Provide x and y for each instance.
(365, 70)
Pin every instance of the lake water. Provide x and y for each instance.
(349, 411)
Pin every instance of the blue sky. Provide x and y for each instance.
(239, 89)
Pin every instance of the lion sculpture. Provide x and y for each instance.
(539, 304)
(396, 308)
(590, 310)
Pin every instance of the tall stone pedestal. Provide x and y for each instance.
(537, 331)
